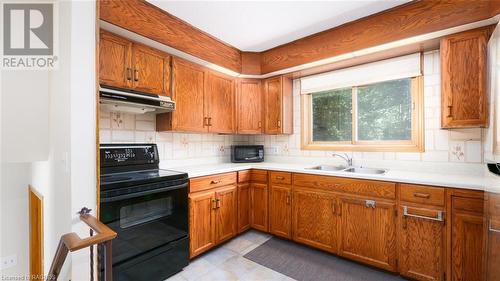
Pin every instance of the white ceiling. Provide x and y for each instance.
(261, 25)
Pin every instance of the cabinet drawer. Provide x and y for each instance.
(359, 187)
(209, 182)
(258, 176)
(281, 177)
(244, 176)
(468, 204)
(422, 194)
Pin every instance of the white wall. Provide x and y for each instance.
(65, 175)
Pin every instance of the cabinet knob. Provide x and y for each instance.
(422, 195)
(279, 123)
(136, 75)
(215, 182)
(449, 111)
(129, 73)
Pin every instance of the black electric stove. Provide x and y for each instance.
(148, 208)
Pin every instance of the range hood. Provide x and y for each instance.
(118, 100)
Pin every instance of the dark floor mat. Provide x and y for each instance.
(307, 264)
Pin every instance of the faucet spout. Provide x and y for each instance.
(344, 156)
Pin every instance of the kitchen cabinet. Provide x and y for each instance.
(220, 103)
(188, 91)
(368, 231)
(315, 218)
(278, 105)
(202, 222)
(493, 247)
(259, 206)
(243, 200)
(129, 65)
(464, 98)
(422, 243)
(467, 239)
(280, 210)
(115, 54)
(249, 107)
(212, 211)
(226, 212)
(151, 70)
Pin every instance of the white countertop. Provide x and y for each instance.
(446, 179)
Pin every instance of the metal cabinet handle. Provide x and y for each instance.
(280, 178)
(205, 121)
(491, 229)
(279, 123)
(215, 181)
(439, 216)
(129, 73)
(136, 75)
(214, 204)
(217, 203)
(370, 203)
(209, 121)
(449, 111)
(422, 195)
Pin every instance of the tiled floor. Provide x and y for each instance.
(227, 263)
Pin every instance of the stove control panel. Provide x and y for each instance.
(114, 155)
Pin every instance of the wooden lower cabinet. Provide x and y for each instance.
(280, 211)
(422, 243)
(243, 207)
(201, 222)
(212, 218)
(226, 212)
(467, 246)
(368, 232)
(258, 206)
(314, 218)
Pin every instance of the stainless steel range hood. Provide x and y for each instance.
(118, 100)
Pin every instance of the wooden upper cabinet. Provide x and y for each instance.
(368, 232)
(464, 101)
(314, 218)
(249, 107)
(278, 111)
(115, 55)
(220, 103)
(280, 211)
(226, 215)
(202, 222)
(151, 70)
(422, 243)
(188, 91)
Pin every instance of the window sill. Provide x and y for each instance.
(364, 147)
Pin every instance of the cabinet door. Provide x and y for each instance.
(188, 90)
(493, 250)
(114, 60)
(226, 200)
(467, 247)
(368, 232)
(315, 219)
(272, 103)
(422, 244)
(280, 211)
(463, 75)
(249, 107)
(220, 103)
(151, 70)
(201, 222)
(258, 206)
(243, 207)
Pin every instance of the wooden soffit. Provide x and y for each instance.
(412, 19)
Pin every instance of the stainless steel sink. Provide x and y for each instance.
(328, 168)
(360, 170)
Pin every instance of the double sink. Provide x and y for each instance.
(351, 169)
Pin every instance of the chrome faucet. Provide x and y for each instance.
(344, 156)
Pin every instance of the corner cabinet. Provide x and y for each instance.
(249, 107)
(125, 64)
(464, 98)
(278, 105)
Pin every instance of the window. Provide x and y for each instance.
(380, 116)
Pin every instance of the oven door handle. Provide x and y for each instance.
(142, 193)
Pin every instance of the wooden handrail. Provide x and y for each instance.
(71, 242)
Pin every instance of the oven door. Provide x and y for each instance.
(145, 218)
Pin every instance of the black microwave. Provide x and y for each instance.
(247, 153)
